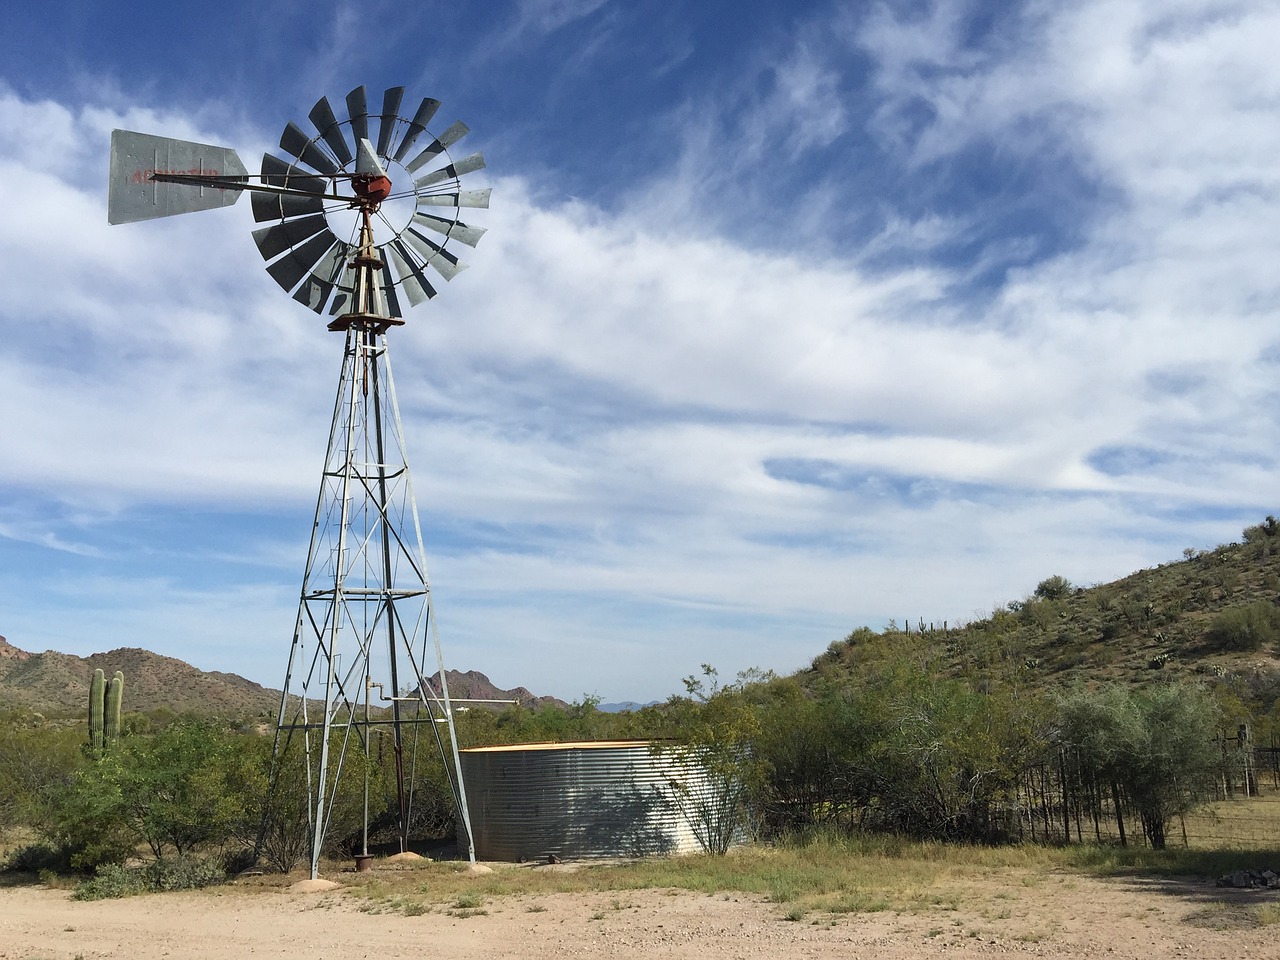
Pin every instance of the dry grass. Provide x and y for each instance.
(827, 875)
(1238, 824)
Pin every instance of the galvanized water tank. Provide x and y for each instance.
(610, 798)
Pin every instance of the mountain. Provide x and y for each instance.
(58, 683)
(1213, 616)
(474, 685)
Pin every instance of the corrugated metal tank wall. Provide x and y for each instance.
(578, 800)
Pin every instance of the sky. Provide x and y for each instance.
(790, 318)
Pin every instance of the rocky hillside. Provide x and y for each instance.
(1213, 615)
(57, 684)
(474, 685)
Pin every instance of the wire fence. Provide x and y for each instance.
(1058, 802)
(1242, 822)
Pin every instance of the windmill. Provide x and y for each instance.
(353, 225)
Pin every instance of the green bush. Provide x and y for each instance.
(185, 787)
(1264, 538)
(1155, 749)
(1245, 628)
(110, 881)
(180, 873)
(907, 753)
(1054, 588)
(36, 764)
(38, 858)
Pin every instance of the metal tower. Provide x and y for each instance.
(365, 617)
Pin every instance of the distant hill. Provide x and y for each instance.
(1214, 616)
(625, 706)
(474, 685)
(58, 684)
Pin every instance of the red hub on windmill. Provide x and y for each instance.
(373, 189)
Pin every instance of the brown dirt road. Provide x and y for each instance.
(1048, 916)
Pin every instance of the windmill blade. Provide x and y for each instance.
(387, 284)
(439, 259)
(276, 206)
(453, 171)
(133, 196)
(294, 141)
(462, 198)
(323, 277)
(417, 126)
(273, 241)
(344, 299)
(358, 111)
(390, 114)
(289, 270)
(416, 286)
(437, 146)
(280, 174)
(326, 125)
(452, 229)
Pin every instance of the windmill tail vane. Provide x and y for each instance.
(365, 616)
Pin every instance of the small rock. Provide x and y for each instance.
(313, 886)
(1240, 879)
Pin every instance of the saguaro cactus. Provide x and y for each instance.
(97, 709)
(104, 710)
(111, 720)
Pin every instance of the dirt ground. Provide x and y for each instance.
(1054, 916)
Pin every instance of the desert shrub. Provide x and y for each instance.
(38, 858)
(1153, 748)
(949, 757)
(284, 838)
(809, 749)
(185, 787)
(36, 764)
(111, 880)
(718, 727)
(1246, 628)
(180, 873)
(906, 752)
(282, 829)
(1041, 614)
(1054, 588)
(1264, 539)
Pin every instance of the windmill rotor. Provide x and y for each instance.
(300, 249)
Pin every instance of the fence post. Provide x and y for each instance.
(1245, 742)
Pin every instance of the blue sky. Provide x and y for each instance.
(789, 319)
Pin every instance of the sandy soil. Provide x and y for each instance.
(1055, 916)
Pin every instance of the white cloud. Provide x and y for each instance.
(639, 443)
